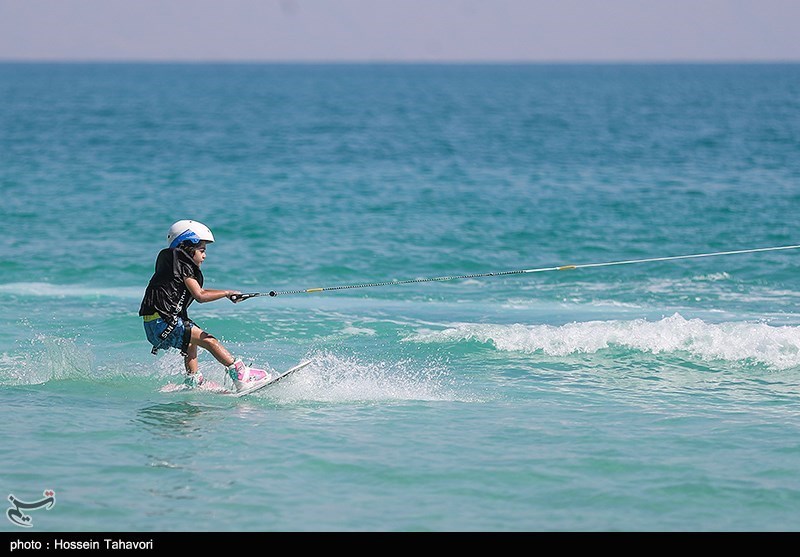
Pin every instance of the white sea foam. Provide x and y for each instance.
(778, 347)
(208, 385)
(336, 378)
(713, 277)
(718, 284)
(332, 378)
(46, 289)
(528, 303)
(47, 358)
(351, 330)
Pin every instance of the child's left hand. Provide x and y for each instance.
(232, 296)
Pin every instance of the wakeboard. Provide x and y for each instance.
(267, 382)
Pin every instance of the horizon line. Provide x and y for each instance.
(235, 61)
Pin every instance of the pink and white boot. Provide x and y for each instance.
(244, 376)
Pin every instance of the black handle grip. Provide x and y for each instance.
(241, 297)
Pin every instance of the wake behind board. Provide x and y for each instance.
(267, 382)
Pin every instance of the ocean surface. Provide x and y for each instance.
(660, 396)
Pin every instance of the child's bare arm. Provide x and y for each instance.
(203, 295)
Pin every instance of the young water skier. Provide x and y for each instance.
(176, 283)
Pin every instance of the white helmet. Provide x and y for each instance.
(190, 230)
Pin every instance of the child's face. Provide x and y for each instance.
(200, 253)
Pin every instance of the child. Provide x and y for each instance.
(178, 281)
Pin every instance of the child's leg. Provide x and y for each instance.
(239, 372)
(190, 361)
(203, 339)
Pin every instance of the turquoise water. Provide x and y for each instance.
(661, 396)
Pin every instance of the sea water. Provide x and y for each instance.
(659, 396)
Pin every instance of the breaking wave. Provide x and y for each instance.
(778, 347)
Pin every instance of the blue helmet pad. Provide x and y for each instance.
(186, 236)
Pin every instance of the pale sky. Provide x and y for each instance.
(400, 30)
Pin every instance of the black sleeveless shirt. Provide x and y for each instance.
(166, 293)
